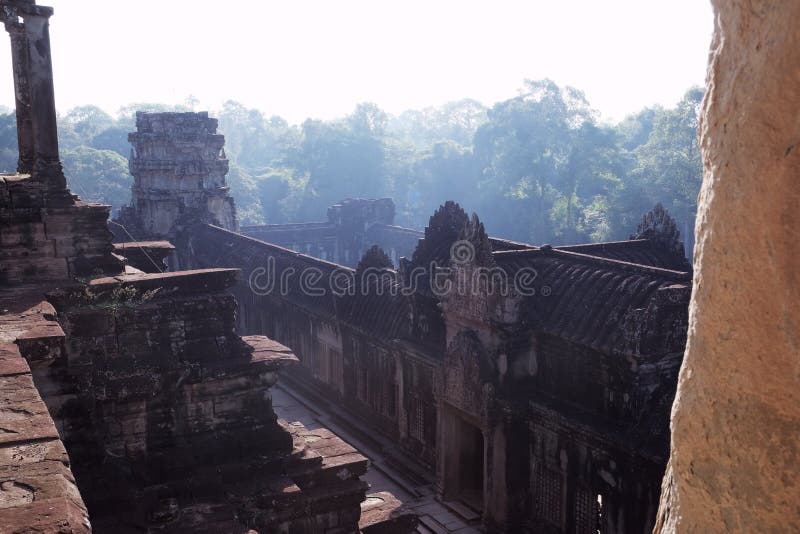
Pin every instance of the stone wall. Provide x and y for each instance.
(353, 226)
(735, 458)
(341, 341)
(562, 393)
(38, 492)
(166, 413)
(39, 241)
(163, 408)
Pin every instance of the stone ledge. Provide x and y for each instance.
(266, 356)
(196, 281)
(172, 283)
(146, 256)
(37, 488)
(155, 245)
(383, 513)
(339, 460)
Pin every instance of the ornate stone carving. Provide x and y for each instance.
(658, 226)
(480, 247)
(179, 169)
(374, 258)
(468, 374)
(444, 228)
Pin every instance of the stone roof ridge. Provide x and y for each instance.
(282, 251)
(509, 244)
(286, 226)
(398, 227)
(199, 115)
(604, 244)
(360, 199)
(507, 256)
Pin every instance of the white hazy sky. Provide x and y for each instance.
(318, 58)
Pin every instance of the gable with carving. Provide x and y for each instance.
(468, 375)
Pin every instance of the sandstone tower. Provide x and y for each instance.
(179, 167)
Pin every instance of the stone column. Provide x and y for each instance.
(735, 459)
(47, 165)
(19, 61)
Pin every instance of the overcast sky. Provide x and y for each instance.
(318, 58)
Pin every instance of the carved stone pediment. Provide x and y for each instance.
(658, 226)
(468, 377)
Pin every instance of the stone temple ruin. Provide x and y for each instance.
(179, 165)
(128, 400)
(521, 388)
(541, 408)
(533, 395)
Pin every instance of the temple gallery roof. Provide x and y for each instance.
(639, 251)
(325, 292)
(595, 291)
(593, 300)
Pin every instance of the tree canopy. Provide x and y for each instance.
(539, 167)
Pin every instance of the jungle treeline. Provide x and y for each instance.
(540, 167)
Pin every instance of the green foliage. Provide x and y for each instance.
(98, 175)
(243, 190)
(669, 167)
(275, 189)
(87, 121)
(8, 143)
(542, 154)
(253, 141)
(341, 158)
(538, 167)
(454, 121)
(114, 138)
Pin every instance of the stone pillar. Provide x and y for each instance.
(19, 61)
(735, 459)
(47, 165)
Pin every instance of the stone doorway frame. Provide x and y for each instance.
(451, 445)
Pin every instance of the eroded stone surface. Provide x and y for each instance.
(179, 167)
(183, 436)
(735, 461)
(382, 513)
(37, 488)
(41, 242)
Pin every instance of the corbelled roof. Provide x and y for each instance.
(335, 294)
(589, 300)
(641, 251)
(265, 263)
(290, 233)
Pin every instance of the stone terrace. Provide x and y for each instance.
(37, 487)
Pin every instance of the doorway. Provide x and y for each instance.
(470, 465)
